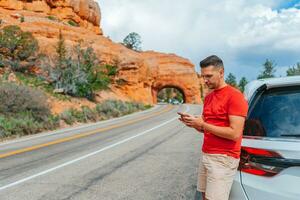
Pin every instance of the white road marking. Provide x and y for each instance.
(86, 156)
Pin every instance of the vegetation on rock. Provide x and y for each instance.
(133, 41)
(18, 49)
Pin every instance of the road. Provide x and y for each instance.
(148, 155)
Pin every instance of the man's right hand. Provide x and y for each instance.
(184, 118)
(183, 114)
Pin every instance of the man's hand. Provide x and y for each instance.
(193, 121)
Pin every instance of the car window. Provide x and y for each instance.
(275, 114)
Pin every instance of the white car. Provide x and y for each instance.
(270, 160)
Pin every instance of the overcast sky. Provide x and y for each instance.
(244, 33)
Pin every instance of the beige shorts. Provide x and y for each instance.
(215, 175)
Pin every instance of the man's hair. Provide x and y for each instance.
(212, 60)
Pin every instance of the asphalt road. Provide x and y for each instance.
(148, 155)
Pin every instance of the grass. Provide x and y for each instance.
(24, 123)
(106, 110)
(38, 82)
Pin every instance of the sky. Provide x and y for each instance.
(243, 33)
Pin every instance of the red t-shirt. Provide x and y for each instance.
(218, 105)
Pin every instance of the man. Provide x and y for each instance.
(222, 122)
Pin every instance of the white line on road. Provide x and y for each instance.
(86, 156)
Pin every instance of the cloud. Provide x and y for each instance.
(243, 33)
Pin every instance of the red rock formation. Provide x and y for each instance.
(140, 74)
(86, 13)
(169, 70)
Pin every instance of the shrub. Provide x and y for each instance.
(117, 108)
(87, 61)
(84, 115)
(78, 75)
(17, 48)
(51, 122)
(50, 17)
(139, 106)
(147, 106)
(111, 70)
(71, 79)
(107, 109)
(68, 116)
(41, 83)
(100, 81)
(89, 114)
(24, 111)
(20, 124)
(17, 99)
(73, 23)
(25, 123)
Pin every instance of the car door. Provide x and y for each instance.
(270, 159)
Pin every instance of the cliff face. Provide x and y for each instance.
(85, 13)
(140, 74)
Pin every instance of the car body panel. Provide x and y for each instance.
(252, 87)
(237, 191)
(284, 185)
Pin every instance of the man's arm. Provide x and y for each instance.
(232, 132)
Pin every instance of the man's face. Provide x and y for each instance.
(212, 76)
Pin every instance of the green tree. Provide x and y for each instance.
(167, 94)
(18, 49)
(231, 80)
(269, 70)
(243, 82)
(61, 51)
(78, 74)
(294, 70)
(133, 41)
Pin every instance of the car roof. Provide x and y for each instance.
(251, 87)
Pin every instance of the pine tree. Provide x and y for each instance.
(243, 82)
(231, 80)
(61, 50)
(133, 41)
(269, 70)
(294, 71)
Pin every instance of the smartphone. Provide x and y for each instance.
(182, 114)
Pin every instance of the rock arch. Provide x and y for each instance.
(155, 90)
(184, 83)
